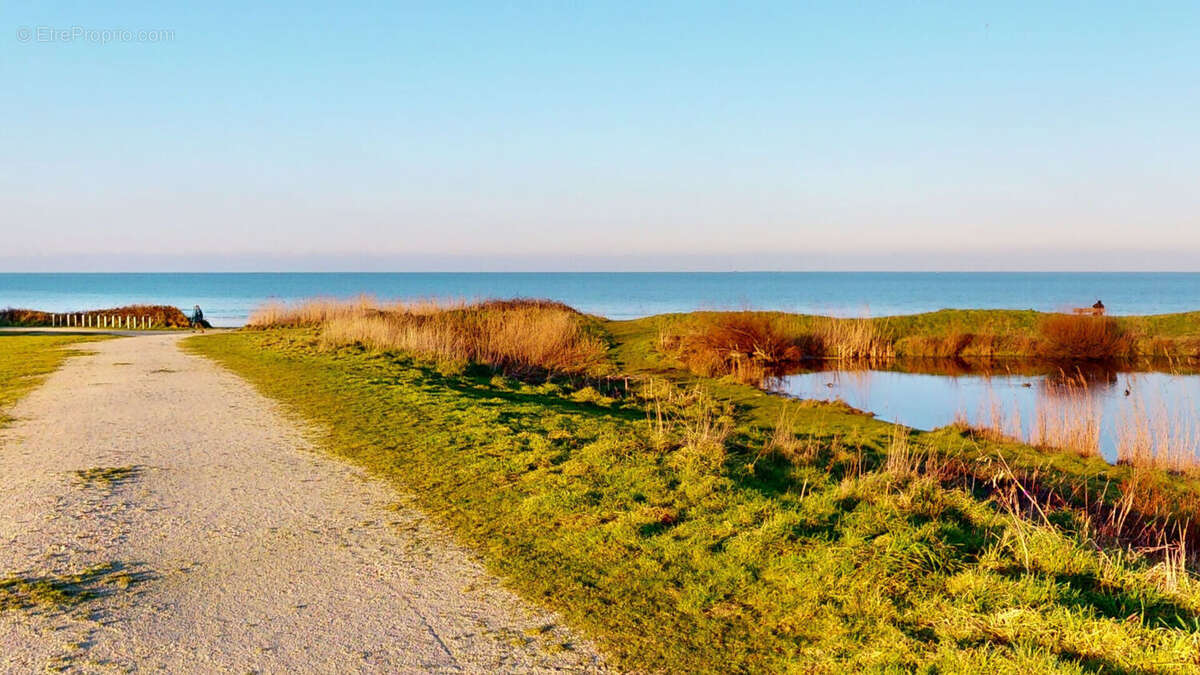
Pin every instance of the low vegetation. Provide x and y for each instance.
(748, 345)
(26, 359)
(518, 337)
(49, 593)
(106, 476)
(694, 524)
(159, 316)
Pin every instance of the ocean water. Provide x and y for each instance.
(227, 299)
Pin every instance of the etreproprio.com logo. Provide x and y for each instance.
(51, 34)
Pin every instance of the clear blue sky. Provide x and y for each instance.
(614, 135)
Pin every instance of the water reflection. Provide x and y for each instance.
(1117, 408)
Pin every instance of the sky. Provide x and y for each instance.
(459, 136)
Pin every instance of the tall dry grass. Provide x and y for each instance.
(850, 340)
(751, 346)
(1065, 419)
(318, 311)
(1148, 435)
(518, 337)
(1081, 337)
(1069, 420)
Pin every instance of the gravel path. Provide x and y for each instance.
(225, 543)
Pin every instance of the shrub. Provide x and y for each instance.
(1066, 336)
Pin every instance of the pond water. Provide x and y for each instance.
(1122, 410)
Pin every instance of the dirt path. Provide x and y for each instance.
(224, 542)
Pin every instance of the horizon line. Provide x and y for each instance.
(661, 271)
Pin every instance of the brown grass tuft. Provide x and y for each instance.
(743, 344)
(518, 337)
(1066, 336)
(751, 346)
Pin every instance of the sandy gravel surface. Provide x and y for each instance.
(232, 546)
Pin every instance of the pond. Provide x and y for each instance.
(1116, 412)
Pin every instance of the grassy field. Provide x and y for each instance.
(26, 359)
(692, 524)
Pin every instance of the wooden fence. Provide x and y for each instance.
(112, 321)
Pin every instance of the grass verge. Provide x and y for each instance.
(26, 359)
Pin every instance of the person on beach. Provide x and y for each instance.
(1098, 305)
(197, 319)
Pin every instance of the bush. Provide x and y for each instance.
(1066, 336)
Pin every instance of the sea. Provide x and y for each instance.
(228, 298)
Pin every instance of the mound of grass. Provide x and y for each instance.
(519, 337)
(684, 530)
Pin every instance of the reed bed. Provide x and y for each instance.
(1067, 336)
(751, 346)
(1066, 418)
(1149, 435)
(518, 337)
(1070, 420)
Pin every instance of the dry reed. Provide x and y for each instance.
(1066, 336)
(1148, 435)
(1069, 420)
(517, 337)
(752, 346)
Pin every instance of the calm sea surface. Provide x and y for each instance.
(227, 299)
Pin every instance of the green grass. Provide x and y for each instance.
(106, 476)
(678, 551)
(25, 359)
(51, 593)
